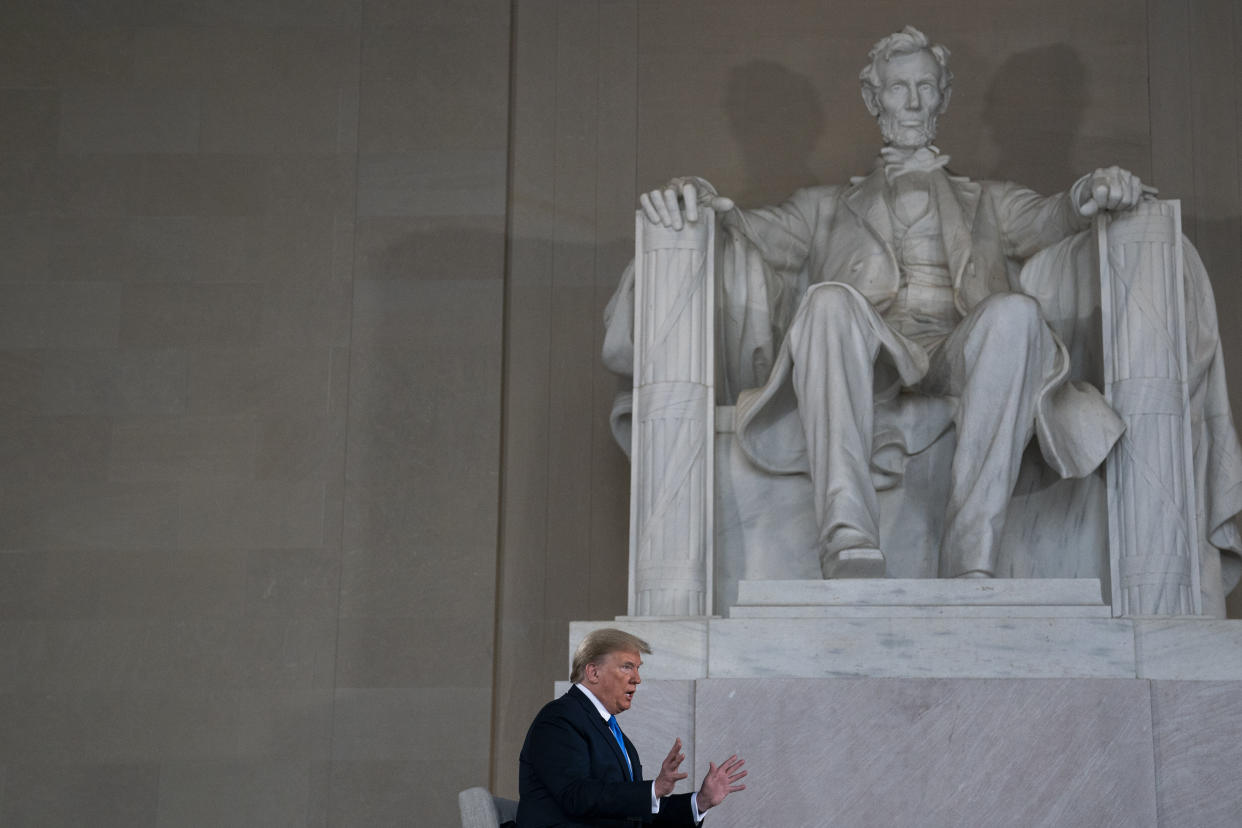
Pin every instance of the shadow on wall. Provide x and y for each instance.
(420, 518)
(1047, 86)
(776, 117)
(1046, 89)
(1033, 112)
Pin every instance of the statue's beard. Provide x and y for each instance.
(896, 134)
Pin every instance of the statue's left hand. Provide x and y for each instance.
(1111, 189)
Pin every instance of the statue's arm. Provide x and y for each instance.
(783, 233)
(1031, 222)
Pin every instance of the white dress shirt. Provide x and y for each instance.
(655, 800)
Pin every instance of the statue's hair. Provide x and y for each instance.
(598, 644)
(908, 41)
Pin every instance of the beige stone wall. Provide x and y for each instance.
(251, 296)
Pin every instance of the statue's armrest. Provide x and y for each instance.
(672, 520)
(1152, 520)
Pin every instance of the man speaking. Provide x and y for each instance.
(578, 769)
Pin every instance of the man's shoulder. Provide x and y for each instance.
(570, 703)
(561, 715)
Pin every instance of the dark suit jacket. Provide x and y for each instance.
(572, 773)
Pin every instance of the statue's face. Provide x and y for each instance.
(909, 99)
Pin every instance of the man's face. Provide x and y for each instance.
(614, 680)
(909, 99)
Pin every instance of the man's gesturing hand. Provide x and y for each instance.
(719, 782)
(668, 771)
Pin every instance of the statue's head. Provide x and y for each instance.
(906, 86)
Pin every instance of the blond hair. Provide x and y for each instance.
(598, 644)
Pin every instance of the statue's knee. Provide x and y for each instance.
(1014, 312)
(831, 303)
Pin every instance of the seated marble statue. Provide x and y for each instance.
(906, 285)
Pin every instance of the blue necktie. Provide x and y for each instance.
(616, 732)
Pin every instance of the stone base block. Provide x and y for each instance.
(931, 629)
(956, 753)
(922, 647)
(924, 720)
(908, 592)
(1181, 648)
(933, 752)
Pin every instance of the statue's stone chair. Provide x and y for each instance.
(704, 518)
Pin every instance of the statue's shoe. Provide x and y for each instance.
(975, 573)
(862, 562)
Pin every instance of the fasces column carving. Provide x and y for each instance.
(1152, 521)
(671, 488)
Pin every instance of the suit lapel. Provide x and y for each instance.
(957, 202)
(957, 199)
(605, 732)
(866, 201)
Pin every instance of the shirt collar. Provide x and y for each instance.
(603, 711)
(898, 161)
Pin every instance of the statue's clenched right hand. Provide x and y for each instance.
(679, 201)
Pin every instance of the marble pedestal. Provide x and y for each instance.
(948, 703)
